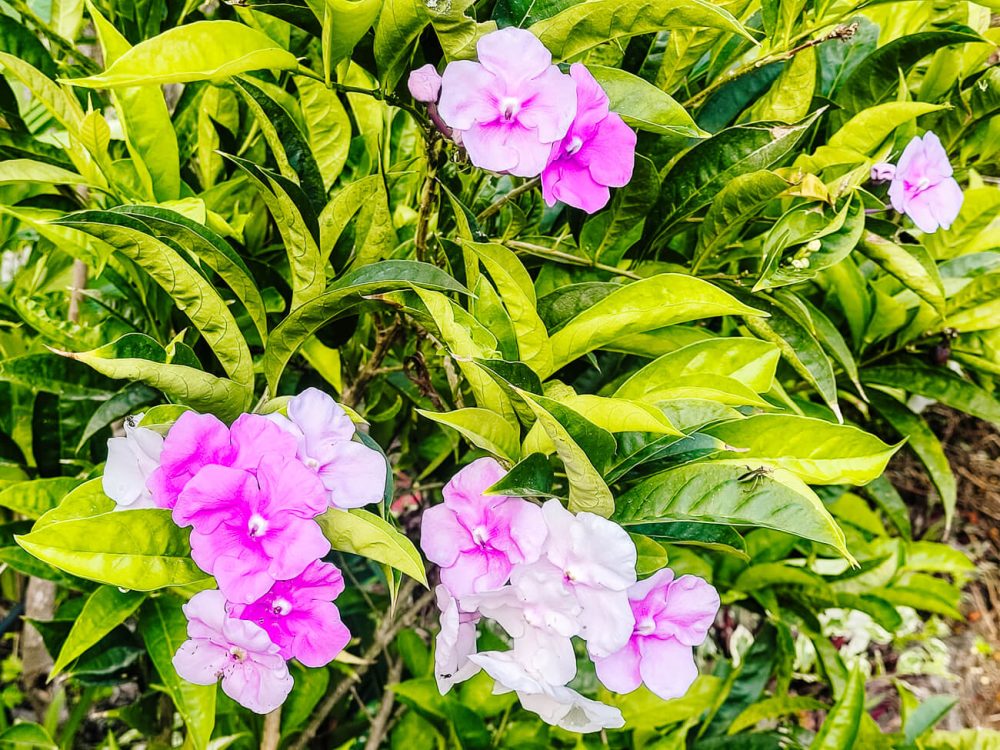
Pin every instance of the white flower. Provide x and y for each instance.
(597, 560)
(555, 704)
(540, 613)
(131, 459)
(455, 643)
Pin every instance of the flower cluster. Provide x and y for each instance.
(545, 576)
(251, 494)
(922, 186)
(516, 112)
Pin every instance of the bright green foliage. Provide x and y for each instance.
(243, 201)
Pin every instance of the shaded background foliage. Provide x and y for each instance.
(731, 336)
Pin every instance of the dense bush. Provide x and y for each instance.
(215, 207)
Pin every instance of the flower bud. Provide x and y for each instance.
(883, 171)
(424, 84)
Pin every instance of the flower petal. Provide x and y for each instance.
(353, 475)
(619, 671)
(513, 54)
(667, 666)
(468, 95)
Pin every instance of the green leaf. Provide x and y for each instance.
(296, 222)
(64, 107)
(287, 143)
(938, 383)
(585, 25)
(750, 361)
(697, 177)
(912, 265)
(707, 535)
(723, 494)
(885, 496)
(927, 714)
(483, 428)
(104, 610)
(83, 502)
(738, 203)
(142, 550)
(532, 477)
(518, 294)
(773, 708)
(876, 77)
(620, 414)
(924, 443)
(142, 111)
(163, 626)
(399, 25)
(374, 236)
(17, 171)
(580, 444)
(327, 123)
(137, 357)
(26, 734)
(38, 496)
(866, 130)
(190, 291)
(362, 533)
(209, 248)
(840, 729)
(348, 20)
(816, 451)
(200, 51)
(661, 300)
(644, 106)
(50, 373)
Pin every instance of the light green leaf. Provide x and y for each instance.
(911, 265)
(327, 123)
(483, 428)
(135, 356)
(104, 610)
(38, 496)
(644, 106)
(750, 361)
(840, 729)
(362, 533)
(191, 292)
(200, 51)
(817, 451)
(16, 171)
(143, 550)
(83, 502)
(518, 294)
(348, 21)
(773, 708)
(723, 494)
(582, 26)
(661, 300)
(619, 414)
(866, 130)
(64, 107)
(587, 488)
(399, 26)
(164, 628)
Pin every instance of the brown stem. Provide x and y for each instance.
(383, 341)
(506, 198)
(386, 632)
(381, 721)
(844, 31)
(271, 736)
(427, 193)
(76, 291)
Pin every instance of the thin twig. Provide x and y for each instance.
(385, 634)
(547, 252)
(383, 342)
(427, 193)
(507, 197)
(271, 735)
(381, 721)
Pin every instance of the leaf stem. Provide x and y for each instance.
(506, 198)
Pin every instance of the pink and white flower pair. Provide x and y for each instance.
(515, 112)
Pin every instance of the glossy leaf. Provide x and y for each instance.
(361, 532)
(105, 609)
(937, 383)
(644, 106)
(38, 496)
(483, 428)
(840, 729)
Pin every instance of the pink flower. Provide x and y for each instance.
(250, 531)
(922, 186)
(598, 152)
(299, 615)
(253, 672)
(424, 83)
(670, 618)
(353, 474)
(477, 538)
(199, 440)
(883, 171)
(511, 106)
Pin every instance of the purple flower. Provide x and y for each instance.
(477, 538)
(199, 440)
(424, 83)
(670, 618)
(883, 171)
(353, 474)
(253, 672)
(511, 106)
(596, 153)
(300, 617)
(922, 186)
(250, 531)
